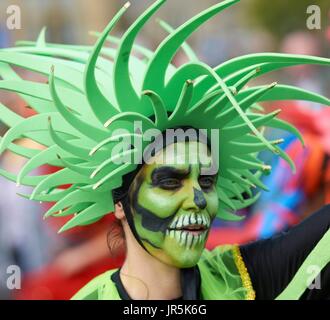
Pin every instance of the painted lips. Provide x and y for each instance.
(189, 230)
(188, 239)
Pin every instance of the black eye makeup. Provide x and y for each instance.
(207, 182)
(170, 183)
(168, 178)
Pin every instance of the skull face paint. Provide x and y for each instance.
(173, 205)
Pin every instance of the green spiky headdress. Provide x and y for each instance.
(93, 91)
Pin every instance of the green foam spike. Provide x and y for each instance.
(97, 90)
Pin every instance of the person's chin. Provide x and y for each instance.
(176, 255)
(187, 259)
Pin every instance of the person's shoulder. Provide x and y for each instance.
(224, 275)
(326, 208)
(91, 291)
(220, 249)
(320, 216)
(221, 252)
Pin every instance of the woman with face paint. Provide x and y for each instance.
(166, 215)
(166, 208)
(94, 118)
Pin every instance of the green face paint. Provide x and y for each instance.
(173, 204)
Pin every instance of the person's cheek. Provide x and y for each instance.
(212, 203)
(162, 202)
(156, 239)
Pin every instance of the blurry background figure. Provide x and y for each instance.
(292, 197)
(283, 17)
(84, 255)
(304, 76)
(52, 266)
(4, 36)
(24, 241)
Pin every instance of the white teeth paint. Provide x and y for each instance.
(177, 235)
(207, 221)
(195, 240)
(203, 237)
(183, 238)
(185, 221)
(204, 220)
(179, 224)
(189, 240)
(192, 241)
(186, 238)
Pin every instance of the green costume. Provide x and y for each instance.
(223, 277)
(94, 92)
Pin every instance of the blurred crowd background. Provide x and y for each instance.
(55, 267)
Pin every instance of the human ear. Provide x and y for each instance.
(119, 211)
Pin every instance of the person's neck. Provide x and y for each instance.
(145, 277)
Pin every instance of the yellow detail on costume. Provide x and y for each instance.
(246, 280)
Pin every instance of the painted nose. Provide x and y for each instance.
(199, 199)
(195, 200)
